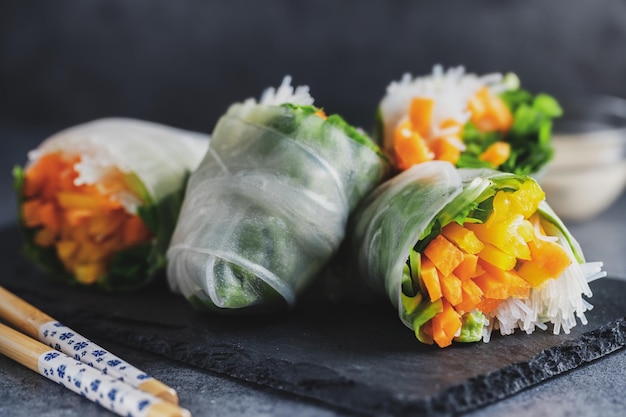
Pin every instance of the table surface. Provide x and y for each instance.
(590, 390)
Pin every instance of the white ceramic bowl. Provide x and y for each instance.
(588, 172)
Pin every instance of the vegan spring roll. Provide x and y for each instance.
(469, 120)
(98, 202)
(268, 206)
(462, 253)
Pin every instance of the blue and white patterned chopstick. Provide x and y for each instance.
(105, 390)
(44, 328)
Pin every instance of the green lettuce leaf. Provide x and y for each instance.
(472, 328)
(301, 112)
(134, 267)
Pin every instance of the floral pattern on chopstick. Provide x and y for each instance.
(62, 338)
(105, 390)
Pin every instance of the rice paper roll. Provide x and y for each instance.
(461, 253)
(98, 202)
(468, 120)
(269, 204)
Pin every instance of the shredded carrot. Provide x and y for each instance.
(445, 150)
(321, 113)
(497, 153)
(450, 123)
(430, 277)
(500, 112)
(38, 181)
(492, 287)
(45, 238)
(135, 231)
(85, 225)
(446, 325)
(516, 286)
(468, 268)
(477, 104)
(409, 147)
(421, 114)
(444, 254)
(472, 296)
(420, 137)
(451, 288)
(30, 213)
(48, 215)
(487, 305)
(427, 330)
(489, 112)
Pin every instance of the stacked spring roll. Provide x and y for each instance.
(468, 120)
(98, 202)
(268, 206)
(463, 252)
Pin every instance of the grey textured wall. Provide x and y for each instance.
(182, 62)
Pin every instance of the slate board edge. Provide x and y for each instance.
(486, 389)
(342, 393)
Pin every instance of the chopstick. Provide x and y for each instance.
(38, 325)
(105, 390)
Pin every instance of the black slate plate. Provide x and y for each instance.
(357, 358)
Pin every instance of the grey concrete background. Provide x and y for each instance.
(183, 62)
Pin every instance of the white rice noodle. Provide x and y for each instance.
(450, 90)
(558, 302)
(539, 234)
(284, 94)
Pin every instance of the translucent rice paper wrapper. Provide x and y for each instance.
(392, 218)
(155, 160)
(159, 156)
(398, 213)
(268, 207)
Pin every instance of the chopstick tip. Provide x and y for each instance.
(166, 409)
(160, 390)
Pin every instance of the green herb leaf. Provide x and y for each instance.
(134, 267)
(425, 312)
(530, 135)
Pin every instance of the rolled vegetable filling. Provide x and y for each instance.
(98, 202)
(85, 224)
(504, 266)
(463, 252)
(467, 120)
(268, 206)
